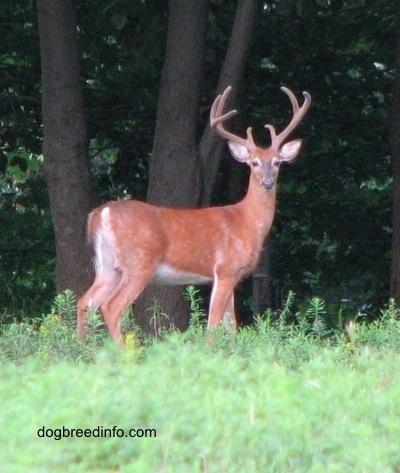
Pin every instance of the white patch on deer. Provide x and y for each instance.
(168, 275)
(98, 258)
(213, 292)
(105, 245)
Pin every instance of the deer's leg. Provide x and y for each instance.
(102, 287)
(229, 319)
(221, 302)
(128, 289)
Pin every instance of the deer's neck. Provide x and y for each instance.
(258, 207)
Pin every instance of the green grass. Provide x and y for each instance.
(278, 397)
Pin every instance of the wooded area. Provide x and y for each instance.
(110, 99)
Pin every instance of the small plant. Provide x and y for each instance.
(391, 312)
(65, 305)
(156, 318)
(51, 325)
(133, 349)
(287, 309)
(95, 321)
(352, 330)
(316, 312)
(197, 312)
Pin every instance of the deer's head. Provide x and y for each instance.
(264, 163)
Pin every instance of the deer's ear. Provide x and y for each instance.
(289, 150)
(239, 152)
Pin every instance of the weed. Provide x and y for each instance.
(157, 318)
(65, 305)
(197, 312)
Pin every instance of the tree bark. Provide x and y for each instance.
(212, 146)
(394, 133)
(66, 160)
(174, 175)
(261, 281)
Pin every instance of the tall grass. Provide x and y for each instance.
(287, 395)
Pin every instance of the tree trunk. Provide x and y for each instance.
(394, 131)
(65, 143)
(262, 282)
(211, 145)
(174, 177)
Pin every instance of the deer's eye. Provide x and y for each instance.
(256, 162)
(275, 162)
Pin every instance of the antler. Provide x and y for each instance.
(298, 115)
(217, 119)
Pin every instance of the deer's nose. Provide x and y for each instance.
(268, 183)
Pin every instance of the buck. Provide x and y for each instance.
(136, 243)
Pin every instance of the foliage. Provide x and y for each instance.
(277, 397)
(26, 248)
(332, 234)
(50, 338)
(26, 242)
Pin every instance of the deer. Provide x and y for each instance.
(136, 243)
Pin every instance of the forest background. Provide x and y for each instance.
(110, 99)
